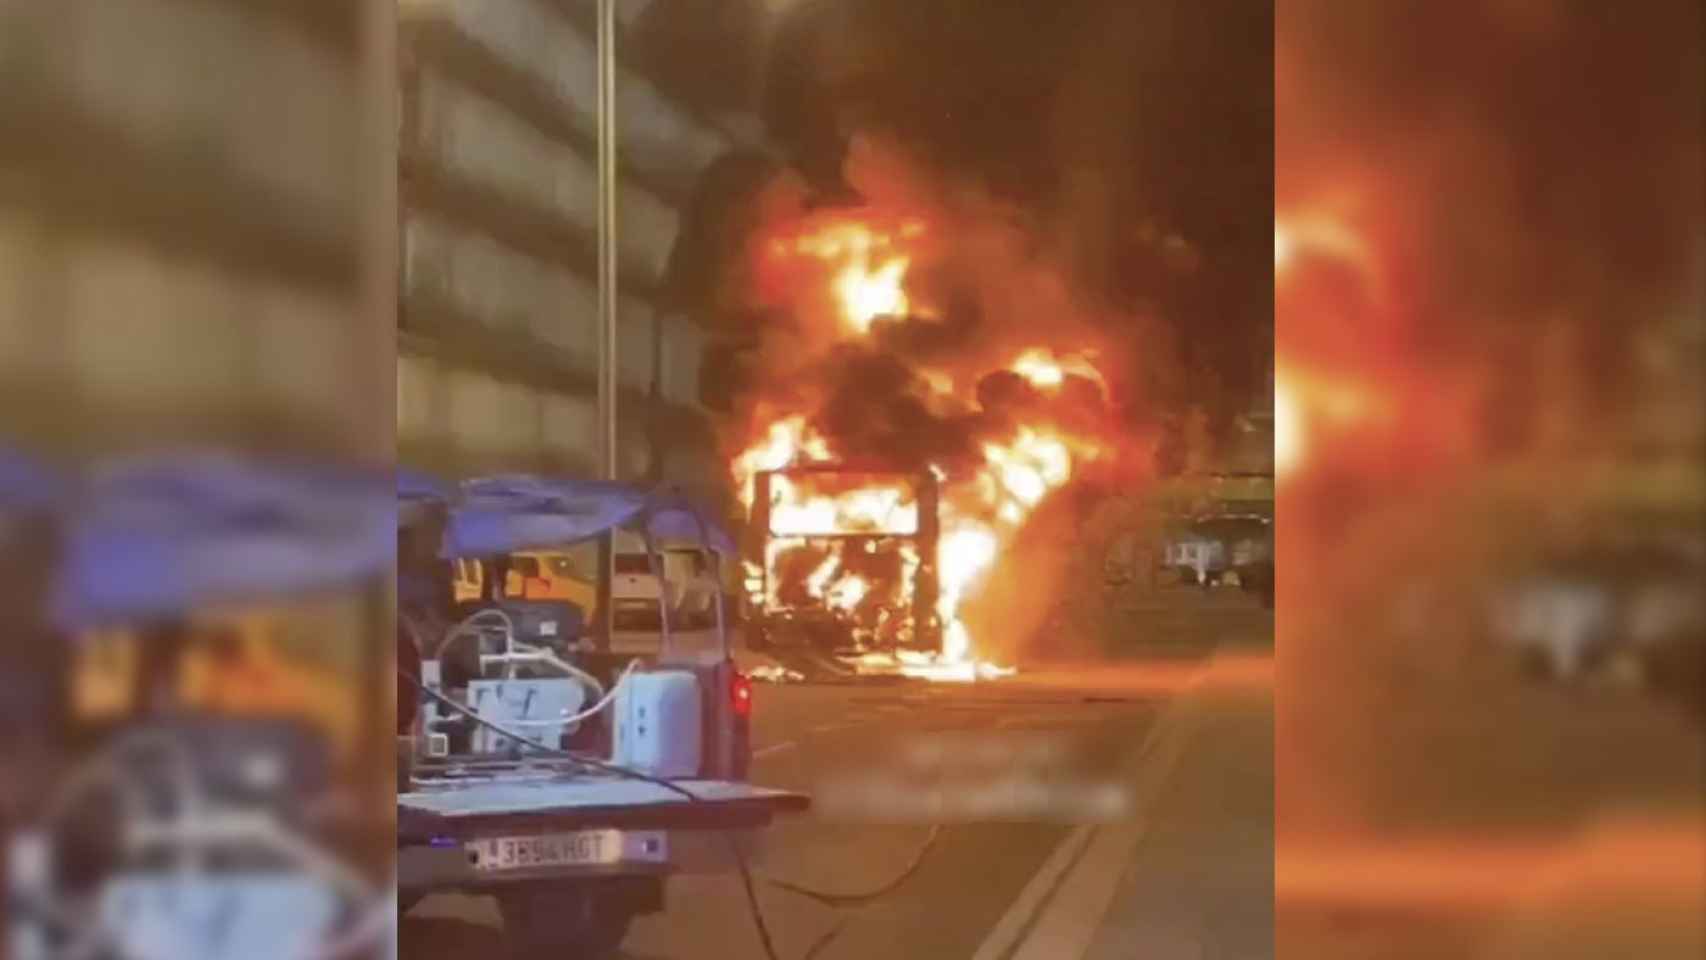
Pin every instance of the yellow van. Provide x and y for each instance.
(554, 575)
(570, 575)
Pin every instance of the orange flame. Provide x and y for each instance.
(785, 442)
(1046, 371)
(867, 293)
(869, 275)
(1310, 407)
(885, 508)
(1313, 404)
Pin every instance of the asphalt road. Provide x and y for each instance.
(1014, 770)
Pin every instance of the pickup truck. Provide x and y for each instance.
(566, 784)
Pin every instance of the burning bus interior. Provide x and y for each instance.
(838, 561)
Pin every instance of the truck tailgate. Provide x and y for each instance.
(482, 807)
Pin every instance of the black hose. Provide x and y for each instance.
(825, 940)
(834, 899)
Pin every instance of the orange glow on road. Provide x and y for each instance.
(1656, 858)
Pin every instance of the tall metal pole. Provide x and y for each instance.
(608, 375)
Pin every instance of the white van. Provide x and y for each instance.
(634, 588)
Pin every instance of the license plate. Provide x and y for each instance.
(581, 848)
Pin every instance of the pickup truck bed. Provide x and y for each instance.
(463, 809)
(442, 826)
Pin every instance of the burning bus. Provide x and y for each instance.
(844, 559)
(910, 380)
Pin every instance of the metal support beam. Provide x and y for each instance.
(608, 374)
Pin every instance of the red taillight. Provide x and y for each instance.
(740, 694)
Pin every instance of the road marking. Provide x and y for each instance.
(775, 748)
(1001, 940)
(1058, 916)
(1069, 922)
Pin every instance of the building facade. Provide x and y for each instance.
(195, 230)
(497, 354)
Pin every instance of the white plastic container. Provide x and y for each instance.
(658, 724)
(533, 708)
